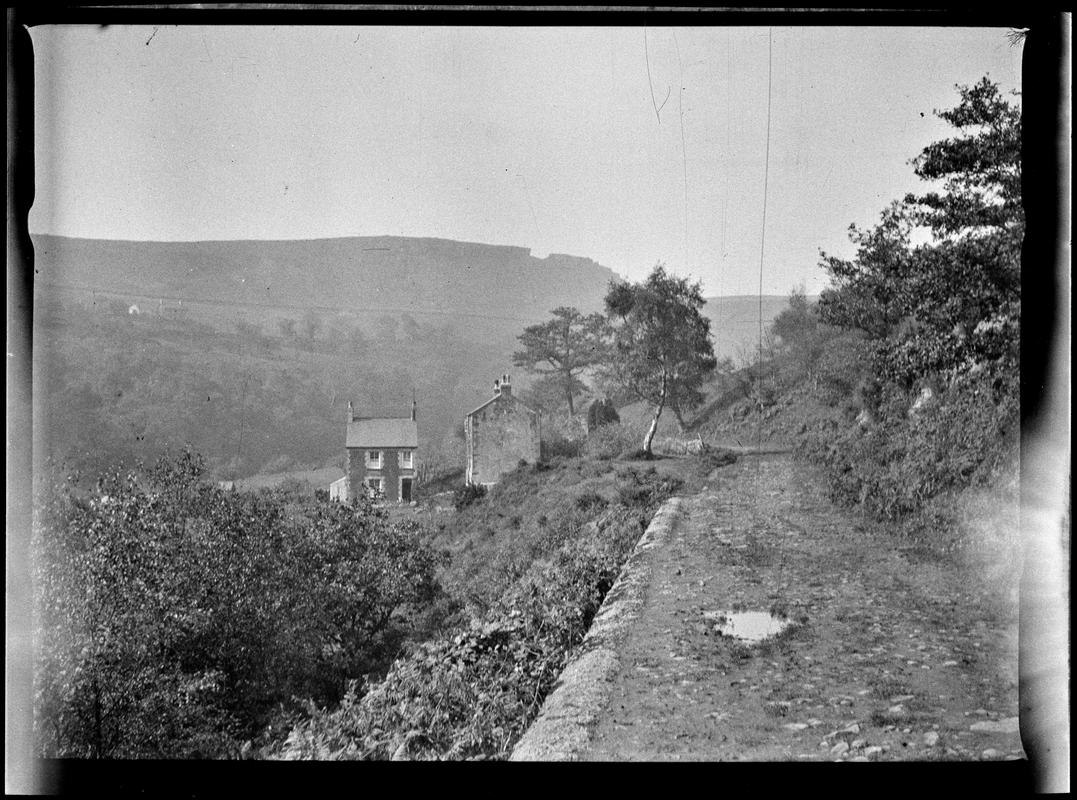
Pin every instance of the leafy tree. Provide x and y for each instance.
(802, 335)
(172, 617)
(944, 313)
(662, 346)
(954, 301)
(563, 348)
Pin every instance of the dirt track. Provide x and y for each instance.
(894, 654)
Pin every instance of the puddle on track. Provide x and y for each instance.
(747, 626)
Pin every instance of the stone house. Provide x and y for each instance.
(499, 434)
(381, 458)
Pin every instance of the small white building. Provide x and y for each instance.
(338, 489)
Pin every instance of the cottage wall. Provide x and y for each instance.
(391, 471)
(499, 435)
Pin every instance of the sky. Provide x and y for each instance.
(629, 146)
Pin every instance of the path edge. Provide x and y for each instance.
(562, 728)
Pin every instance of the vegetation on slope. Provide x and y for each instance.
(175, 619)
(902, 381)
(179, 620)
(562, 533)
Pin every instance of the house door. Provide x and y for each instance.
(405, 490)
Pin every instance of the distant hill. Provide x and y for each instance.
(496, 289)
(221, 355)
(351, 275)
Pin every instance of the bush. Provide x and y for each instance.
(468, 494)
(472, 692)
(557, 446)
(591, 501)
(712, 458)
(613, 440)
(896, 464)
(647, 489)
(600, 413)
(173, 617)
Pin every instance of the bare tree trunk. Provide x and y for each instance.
(654, 421)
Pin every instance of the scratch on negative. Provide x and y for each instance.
(650, 83)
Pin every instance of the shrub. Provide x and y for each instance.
(896, 464)
(612, 441)
(714, 457)
(647, 489)
(472, 692)
(591, 501)
(468, 494)
(557, 446)
(173, 617)
(600, 413)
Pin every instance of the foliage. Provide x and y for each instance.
(112, 390)
(936, 322)
(802, 335)
(473, 691)
(557, 445)
(897, 463)
(601, 412)
(954, 301)
(468, 494)
(563, 348)
(173, 617)
(612, 441)
(714, 457)
(662, 347)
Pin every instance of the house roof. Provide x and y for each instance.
(509, 399)
(382, 433)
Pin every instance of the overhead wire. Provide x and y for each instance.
(759, 365)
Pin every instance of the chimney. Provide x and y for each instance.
(351, 416)
(497, 388)
(506, 387)
(413, 405)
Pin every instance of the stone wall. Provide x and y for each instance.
(499, 435)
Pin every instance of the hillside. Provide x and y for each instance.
(250, 350)
(496, 289)
(352, 275)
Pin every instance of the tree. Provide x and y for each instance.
(953, 302)
(801, 335)
(932, 300)
(662, 346)
(563, 348)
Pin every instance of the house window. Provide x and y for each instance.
(375, 486)
(406, 459)
(373, 459)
